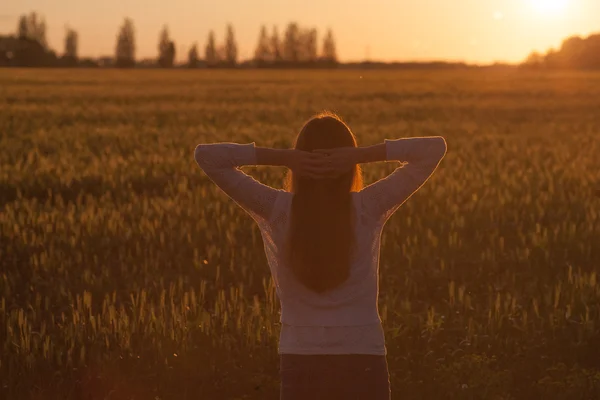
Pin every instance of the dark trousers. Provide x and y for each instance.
(332, 377)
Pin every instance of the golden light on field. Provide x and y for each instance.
(117, 252)
(550, 7)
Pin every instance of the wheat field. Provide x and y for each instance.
(126, 274)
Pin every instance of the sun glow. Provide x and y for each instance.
(549, 7)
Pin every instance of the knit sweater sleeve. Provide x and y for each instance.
(420, 157)
(222, 161)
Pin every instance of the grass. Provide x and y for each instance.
(125, 274)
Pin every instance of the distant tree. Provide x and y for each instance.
(291, 43)
(575, 53)
(551, 59)
(593, 51)
(231, 49)
(171, 53)
(32, 50)
(309, 52)
(263, 55)
(314, 45)
(302, 45)
(166, 49)
(125, 49)
(22, 29)
(71, 42)
(32, 27)
(88, 63)
(220, 54)
(534, 60)
(210, 52)
(276, 46)
(40, 33)
(30, 53)
(193, 56)
(329, 54)
(37, 29)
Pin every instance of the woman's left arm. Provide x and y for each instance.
(221, 162)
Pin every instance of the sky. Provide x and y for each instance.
(475, 31)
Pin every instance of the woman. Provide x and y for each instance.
(321, 236)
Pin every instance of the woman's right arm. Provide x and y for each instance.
(222, 161)
(421, 156)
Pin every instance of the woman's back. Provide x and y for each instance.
(306, 315)
(353, 302)
(344, 320)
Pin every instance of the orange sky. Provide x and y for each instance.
(478, 31)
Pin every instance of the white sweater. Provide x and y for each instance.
(346, 319)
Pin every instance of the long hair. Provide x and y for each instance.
(321, 238)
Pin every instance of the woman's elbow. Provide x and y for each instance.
(440, 147)
(199, 155)
(206, 157)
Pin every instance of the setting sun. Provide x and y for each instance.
(549, 7)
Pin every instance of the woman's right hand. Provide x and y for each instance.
(339, 160)
(306, 164)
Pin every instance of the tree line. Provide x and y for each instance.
(575, 52)
(298, 47)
